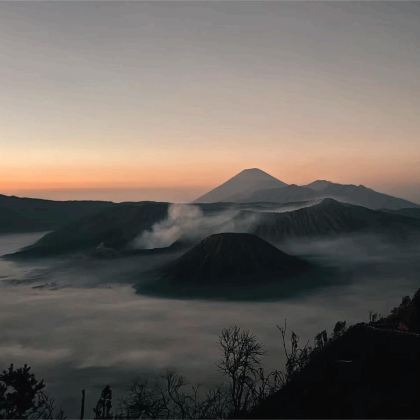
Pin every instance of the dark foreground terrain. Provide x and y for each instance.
(366, 371)
(370, 371)
(68, 308)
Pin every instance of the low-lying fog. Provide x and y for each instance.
(86, 327)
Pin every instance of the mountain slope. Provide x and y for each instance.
(31, 214)
(369, 371)
(358, 194)
(113, 228)
(413, 212)
(245, 182)
(252, 185)
(227, 256)
(332, 218)
(288, 194)
(12, 221)
(234, 266)
(366, 373)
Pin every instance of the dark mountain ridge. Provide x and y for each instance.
(332, 218)
(413, 212)
(353, 194)
(116, 227)
(32, 214)
(359, 194)
(112, 228)
(254, 185)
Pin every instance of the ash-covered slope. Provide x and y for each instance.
(332, 218)
(245, 182)
(227, 256)
(19, 214)
(232, 266)
(413, 212)
(112, 228)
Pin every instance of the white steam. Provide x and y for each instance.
(187, 221)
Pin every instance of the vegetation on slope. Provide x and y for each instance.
(366, 371)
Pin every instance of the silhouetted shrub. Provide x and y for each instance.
(22, 396)
(171, 397)
(104, 405)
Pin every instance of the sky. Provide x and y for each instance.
(165, 100)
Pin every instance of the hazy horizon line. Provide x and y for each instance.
(182, 194)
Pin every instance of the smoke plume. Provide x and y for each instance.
(188, 222)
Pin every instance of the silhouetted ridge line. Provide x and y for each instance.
(115, 227)
(332, 218)
(254, 185)
(33, 214)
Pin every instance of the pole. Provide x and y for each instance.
(82, 405)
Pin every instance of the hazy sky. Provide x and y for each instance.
(127, 100)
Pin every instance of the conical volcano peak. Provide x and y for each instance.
(233, 255)
(232, 266)
(245, 182)
(255, 171)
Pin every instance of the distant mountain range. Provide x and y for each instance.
(255, 185)
(249, 186)
(116, 227)
(32, 214)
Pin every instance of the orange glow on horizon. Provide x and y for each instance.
(195, 177)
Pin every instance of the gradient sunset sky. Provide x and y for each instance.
(164, 100)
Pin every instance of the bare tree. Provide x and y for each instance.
(241, 363)
(172, 397)
(296, 356)
(142, 401)
(47, 409)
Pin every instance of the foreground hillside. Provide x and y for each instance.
(369, 371)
